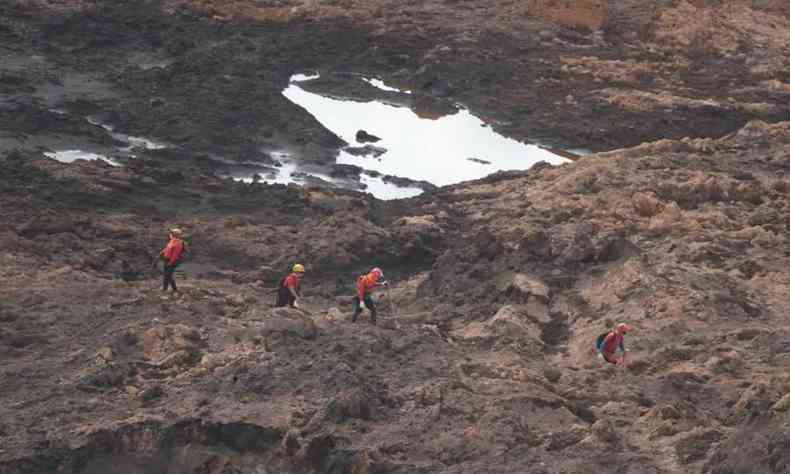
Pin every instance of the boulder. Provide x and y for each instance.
(508, 323)
(557, 441)
(479, 161)
(605, 431)
(354, 404)
(289, 321)
(106, 354)
(364, 137)
(646, 205)
(667, 219)
(783, 404)
(150, 393)
(174, 344)
(345, 171)
(235, 301)
(526, 287)
(367, 150)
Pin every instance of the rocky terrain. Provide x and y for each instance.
(483, 361)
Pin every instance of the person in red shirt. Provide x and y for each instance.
(366, 285)
(289, 293)
(172, 255)
(608, 344)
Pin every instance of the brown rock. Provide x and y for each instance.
(605, 431)
(151, 393)
(106, 354)
(235, 301)
(783, 404)
(289, 321)
(528, 286)
(646, 205)
(176, 343)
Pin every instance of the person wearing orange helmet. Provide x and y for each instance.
(366, 285)
(608, 343)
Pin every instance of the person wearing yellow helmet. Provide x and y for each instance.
(289, 291)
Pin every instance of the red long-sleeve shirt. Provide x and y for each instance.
(612, 342)
(173, 251)
(366, 284)
(292, 282)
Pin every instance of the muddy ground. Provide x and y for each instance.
(482, 361)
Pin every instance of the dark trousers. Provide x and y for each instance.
(284, 298)
(358, 309)
(167, 277)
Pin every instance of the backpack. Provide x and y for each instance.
(599, 341)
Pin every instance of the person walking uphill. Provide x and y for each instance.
(289, 293)
(609, 342)
(366, 285)
(172, 255)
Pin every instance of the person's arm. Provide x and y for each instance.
(165, 253)
(361, 292)
(622, 344)
(361, 289)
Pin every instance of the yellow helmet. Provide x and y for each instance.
(299, 268)
(176, 232)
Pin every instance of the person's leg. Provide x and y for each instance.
(282, 297)
(372, 307)
(165, 276)
(357, 309)
(610, 357)
(173, 279)
(291, 299)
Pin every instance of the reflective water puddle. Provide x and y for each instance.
(70, 156)
(289, 173)
(442, 151)
(134, 142)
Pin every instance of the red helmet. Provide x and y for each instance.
(377, 271)
(623, 328)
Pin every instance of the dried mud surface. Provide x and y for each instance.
(483, 360)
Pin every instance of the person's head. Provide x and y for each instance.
(377, 273)
(176, 233)
(299, 270)
(623, 328)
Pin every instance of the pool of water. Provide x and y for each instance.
(289, 173)
(134, 142)
(442, 151)
(377, 83)
(70, 156)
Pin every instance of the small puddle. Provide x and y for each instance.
(445, 150)
(134, 142)
(289, 173)
(70, 156)
(380, 84)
